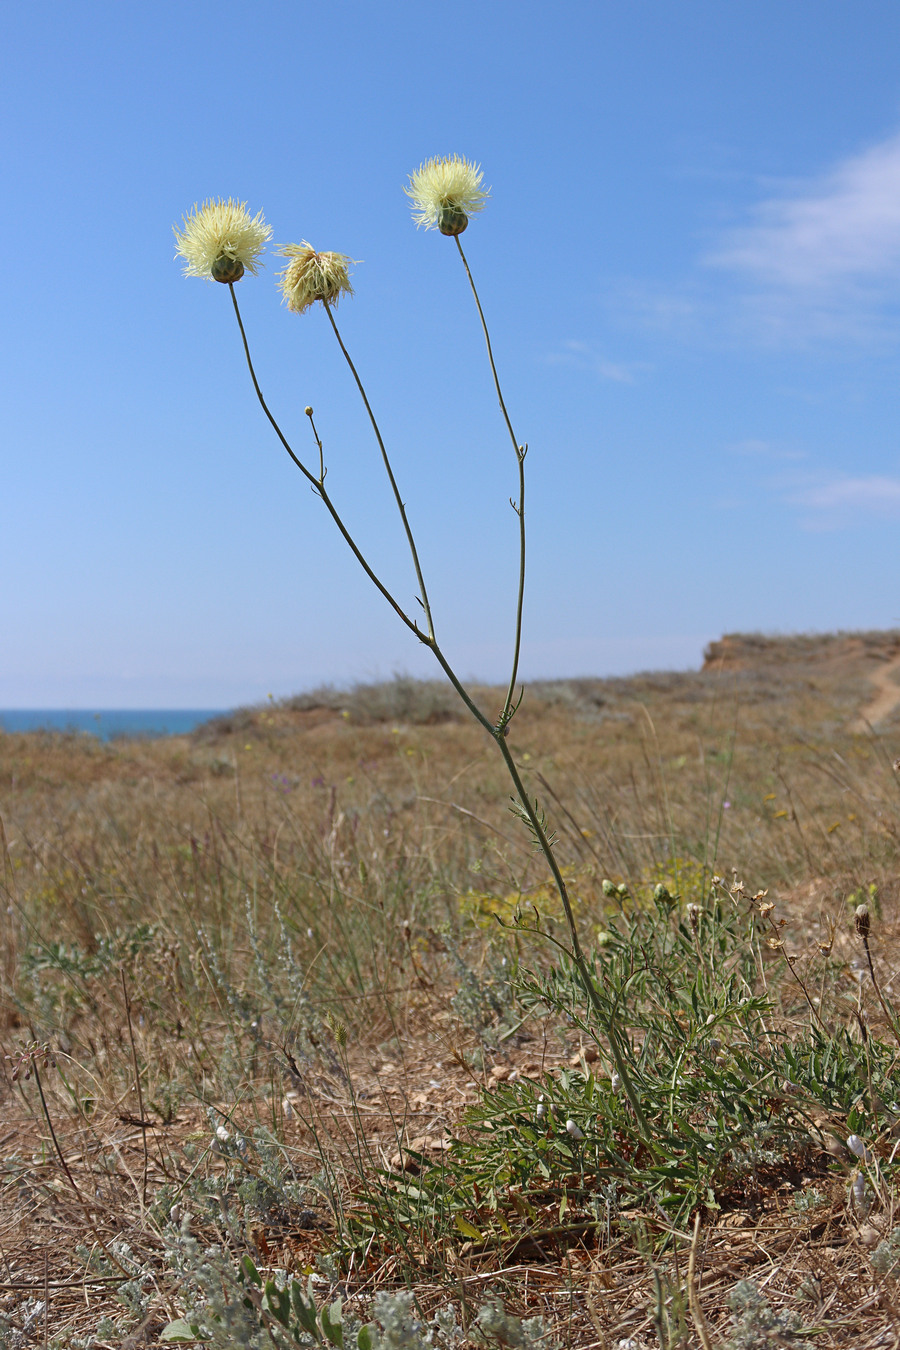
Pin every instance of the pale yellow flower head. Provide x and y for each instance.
(221, 239)
(445, 192)
(311, 276)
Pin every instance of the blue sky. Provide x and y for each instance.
(690, 264)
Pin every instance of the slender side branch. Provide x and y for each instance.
(521, 451)
(390, 473)
(487, 339)
(508, 707)
(319, 486)
(259, 394)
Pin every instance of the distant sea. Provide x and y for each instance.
(108, 724)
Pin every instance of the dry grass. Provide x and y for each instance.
(196, 924)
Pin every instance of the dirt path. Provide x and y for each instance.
(885, 700)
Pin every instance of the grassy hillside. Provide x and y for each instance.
(287, 988)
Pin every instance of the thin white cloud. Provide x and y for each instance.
(840, 230)
(817, 261)
(842, 500)
(876, 494)
(583, 357)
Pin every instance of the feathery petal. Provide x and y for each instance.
(449, 185)
(218, 231)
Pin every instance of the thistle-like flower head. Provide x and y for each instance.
(221, 240)
(311, 276)
(445, 192)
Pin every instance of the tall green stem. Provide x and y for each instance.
(519, 508)
(497, 731)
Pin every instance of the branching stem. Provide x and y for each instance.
(318, 485)
(497, 731)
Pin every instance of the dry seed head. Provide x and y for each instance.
(338, 1029)
(221, 240)
(693, 913)
(862, 920)
(311, 276)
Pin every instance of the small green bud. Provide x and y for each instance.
(608, 887)
(661, 893)
(227, 269)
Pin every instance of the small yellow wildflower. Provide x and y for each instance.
(221, 239)
(445, 192)
(312, 276)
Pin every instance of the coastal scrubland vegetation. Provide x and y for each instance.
(290, 1056)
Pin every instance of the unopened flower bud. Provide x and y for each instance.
(661, 893)
(308, 410)
(452, 221)
(608, 887)
(227, 269)
(573, 1131)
